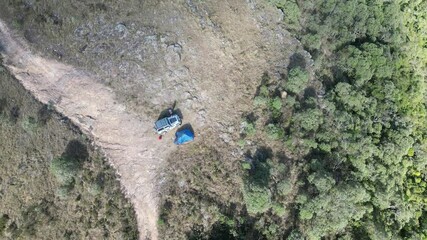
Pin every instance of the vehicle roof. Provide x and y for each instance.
(162, 123)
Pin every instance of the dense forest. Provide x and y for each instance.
(342, 149)
(361, 136)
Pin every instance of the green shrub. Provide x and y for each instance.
(246, 166)
(64, 169)
(279, 209)
(323, 182)
(295, 235)
(274, 132)
(309, 119)
(249, 128)
(291, 102)
(271, 231)
(161, 222)
(263, 91)
(305, 214)
(29, 124)
(411, 152)
(94, 189)
(257, 199)
(260, 101)
(284, 187)
(291, 11)
(276, 104)
(297, 80)
(241, 143)
(301, 199)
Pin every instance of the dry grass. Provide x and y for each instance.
(34, 203)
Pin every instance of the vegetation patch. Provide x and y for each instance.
(361, 136)
(53, 185)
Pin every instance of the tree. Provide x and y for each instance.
(332, 211)
(297, 80)
(257, 199)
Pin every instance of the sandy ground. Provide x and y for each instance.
(208, 56)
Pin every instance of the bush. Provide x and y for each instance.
(29, 124)
(284, 187)
(263, 91)
(257, 199)
(279, 209)
(308, 120)
(248, 128)
(276, 107)
(295, 235)
(274, 132)
(94, 189)
(246, 166)
(3, 223)
(260, 101)
(297, 80)
(291, 102)
(64, 169)
(62, 192)
(241, 143)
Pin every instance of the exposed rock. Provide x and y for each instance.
(225, 137)
(283, 94)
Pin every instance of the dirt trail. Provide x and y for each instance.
(127, 140)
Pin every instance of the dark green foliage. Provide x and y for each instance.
(307, 120)
(297, 80)
(295, 235)
(363, 141)
(249, 128)
(257, 199)
(333, 210)
(274, 132)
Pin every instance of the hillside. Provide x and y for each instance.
(54, 184)
(310, 116)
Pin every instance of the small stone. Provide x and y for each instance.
(284, 94)
(225, 137)
(120, 27)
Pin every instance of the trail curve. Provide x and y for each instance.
(126, 139)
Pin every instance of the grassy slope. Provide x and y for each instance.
(34, 203)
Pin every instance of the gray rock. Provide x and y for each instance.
(283, 94)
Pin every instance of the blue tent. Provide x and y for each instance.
(184, 136)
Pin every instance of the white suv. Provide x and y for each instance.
(166, 124)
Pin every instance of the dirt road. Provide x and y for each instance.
(128, 141)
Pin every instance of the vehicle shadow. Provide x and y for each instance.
(170, 111)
